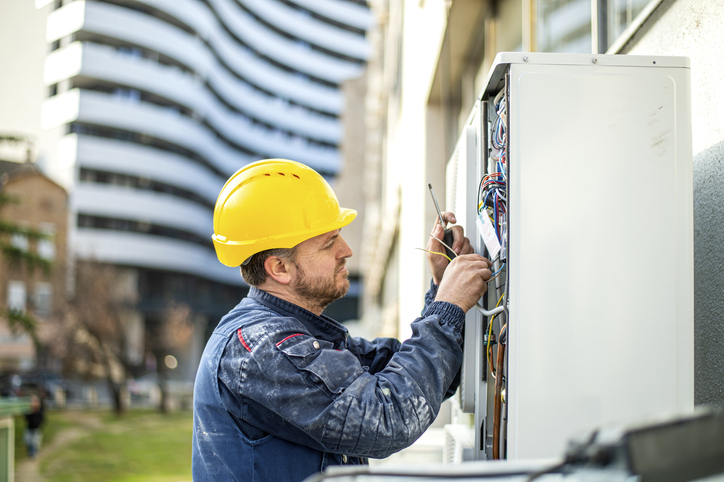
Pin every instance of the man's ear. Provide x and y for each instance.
(276, 268)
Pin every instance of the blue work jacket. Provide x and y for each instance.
(282, 393)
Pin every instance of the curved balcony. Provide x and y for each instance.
(169, 125)
(346, 13)
(154, 252)
(260, 38)
(136, 28)
(104, 63)
(290, 52)
(149, 207)
(306, 28)
(154, 164)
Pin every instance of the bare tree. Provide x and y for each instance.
(170, 336)
(93, 332)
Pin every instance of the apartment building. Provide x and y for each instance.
(147, 106)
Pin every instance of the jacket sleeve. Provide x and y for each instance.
(301, 389)
(430, 295)
(374, 355)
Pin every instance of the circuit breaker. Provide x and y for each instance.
(574, 172)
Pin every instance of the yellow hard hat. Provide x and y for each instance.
(274, 203)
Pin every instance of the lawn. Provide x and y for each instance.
(53, 424)
(140, 446)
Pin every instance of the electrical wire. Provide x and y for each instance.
(490, 333)
(498, 401)
(496, 274)
(435, 252)
(492, 312)
(443, 243)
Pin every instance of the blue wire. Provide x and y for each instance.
(501, 269)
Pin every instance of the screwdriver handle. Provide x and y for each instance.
(448, 239)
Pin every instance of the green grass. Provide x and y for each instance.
(140, 446)
(53, 424)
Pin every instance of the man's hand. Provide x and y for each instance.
(461, 245)
(465, 281)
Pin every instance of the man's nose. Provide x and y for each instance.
(346, 251)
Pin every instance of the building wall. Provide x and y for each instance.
(42, 206)
(694, 29)
(22, 50)
(447, 55)
(676, 27)
(400, 74)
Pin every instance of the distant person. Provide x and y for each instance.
(33, 433)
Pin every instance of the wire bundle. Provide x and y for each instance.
(492, 191)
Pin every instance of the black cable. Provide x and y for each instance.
(549, 470)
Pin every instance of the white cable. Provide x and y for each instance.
(492, 312)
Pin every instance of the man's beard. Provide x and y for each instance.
(320, 292)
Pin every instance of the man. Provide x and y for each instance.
(283, 391)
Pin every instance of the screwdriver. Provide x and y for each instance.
(448, 237)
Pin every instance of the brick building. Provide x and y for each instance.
(42, 205)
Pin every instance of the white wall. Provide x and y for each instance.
(423, 29)
(694, 28)
(22, 46)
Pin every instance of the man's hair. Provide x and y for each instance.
(254, 273)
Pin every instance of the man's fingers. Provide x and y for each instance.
(467, 247)
(458, 239)
(437, 234)
(449, 217)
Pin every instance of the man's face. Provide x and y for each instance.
(321, 276)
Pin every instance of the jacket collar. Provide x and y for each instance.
(319, 326)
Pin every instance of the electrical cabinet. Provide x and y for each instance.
(577, 170)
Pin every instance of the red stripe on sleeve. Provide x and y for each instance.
(290, 336)
(241, 339)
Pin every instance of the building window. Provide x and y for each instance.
(617, 16)
(564, 26)
(46, 246)
(43, 298)
(20, 240)
(16, 296)
(130, 95)
(583, 26)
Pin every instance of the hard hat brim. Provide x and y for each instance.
(234, 253)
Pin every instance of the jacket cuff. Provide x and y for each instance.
(449, 314)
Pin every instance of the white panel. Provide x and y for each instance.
(60, 109)
(63, 63)
(65, 21)
(601, 271)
